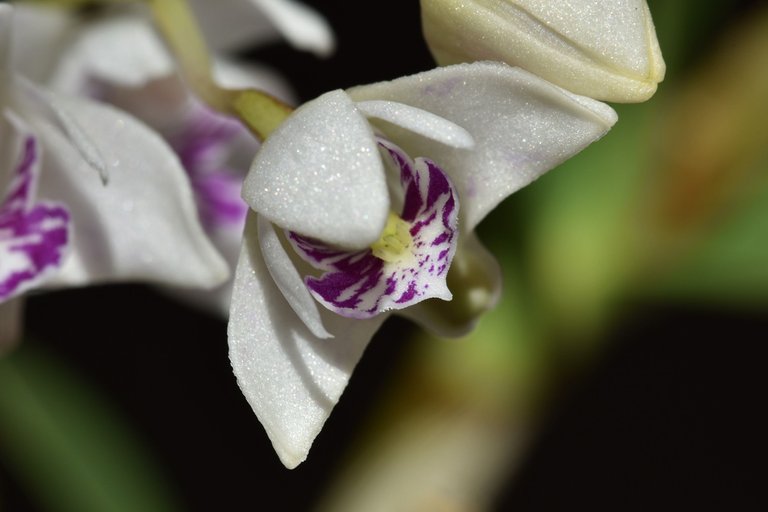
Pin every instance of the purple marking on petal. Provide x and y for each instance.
(218, 198)
(203, 145)
(357, 284)
(33, 239)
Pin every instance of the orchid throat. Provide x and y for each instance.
(409, 262)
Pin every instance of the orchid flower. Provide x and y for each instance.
(364, 204)
(88, 194)
(604, 49)
(214, 150)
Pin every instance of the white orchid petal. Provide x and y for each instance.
(320, 175)
(288, 280)
(605, 49)
(143, 224)
(49, 103)
(418, 121)
(291, 379)
(302, 26)
(522, 125)
(11, 316)
(230, 25)
(120, 50)
(38, 29)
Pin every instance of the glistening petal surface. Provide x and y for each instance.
(605, 49)
(418, 121)
(320, 175)
(522, 126)
(143, 224)
(288, 280)
(291, 379)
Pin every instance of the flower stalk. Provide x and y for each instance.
(259, 111)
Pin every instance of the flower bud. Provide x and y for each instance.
(604, 49)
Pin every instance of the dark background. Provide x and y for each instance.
(668, 418)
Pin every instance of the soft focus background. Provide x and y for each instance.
(623, 369)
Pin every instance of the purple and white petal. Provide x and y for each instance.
(143, 225)
(362, 284)
(204, 145)
(34, 237)
(475, 279)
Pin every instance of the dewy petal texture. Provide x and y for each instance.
(604, 49)
(288, 280)
(320, 175)
(291, 378)
(522, 125)
(143, 224)
(418, 121)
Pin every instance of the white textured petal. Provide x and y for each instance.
(522, 126)
(302, 26)
(418, 121)
(291, 379)
(288, 280)
(605, 49)
(49, 105)
(232, 24)
(10, 323)
(320, 174)
(38, 31)
(121, 50)
(143, 224)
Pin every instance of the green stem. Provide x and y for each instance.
(259, 111)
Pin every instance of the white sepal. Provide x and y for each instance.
(291, 378)
(320, 175)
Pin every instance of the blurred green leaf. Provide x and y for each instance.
(67, 446)
(731, 264)
(581, 220)
(709, 221)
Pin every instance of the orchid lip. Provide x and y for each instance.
(410, 261)
(33, 236)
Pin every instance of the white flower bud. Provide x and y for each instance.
(604, 49)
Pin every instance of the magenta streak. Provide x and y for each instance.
(353, 275)
(47, 224)
(217, 189)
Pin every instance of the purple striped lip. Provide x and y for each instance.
(33, 236)
(410, 263)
